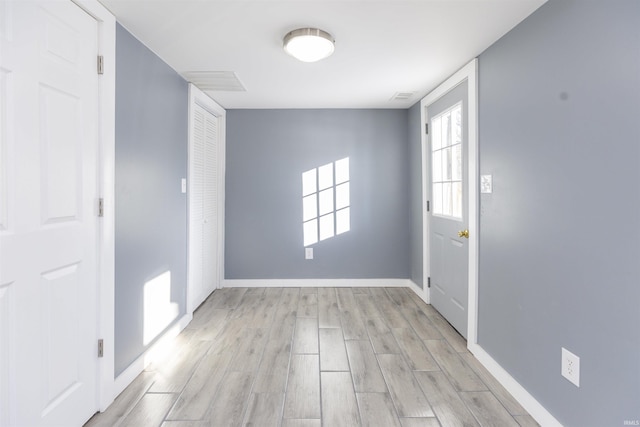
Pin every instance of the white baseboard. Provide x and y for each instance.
(159, 347)
(528, 402)
(316, 283)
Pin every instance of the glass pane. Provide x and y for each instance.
(326, 201)
(310, 230)
(309, 182)
(436, 135)
(343, 223)
(446, 129)
(342, 170)
(342, 195)
(446, 164)
(446, 199)
(437, 199)
(456, 196)
(437, 166)
(456, 163)
(309, 207)
(326, 226)
(457, 124)
(325, 176)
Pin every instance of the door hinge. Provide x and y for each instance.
(100, 207)
(426, 128)
(100, 348)
(428, 206)
(100, 64)
(428, 282)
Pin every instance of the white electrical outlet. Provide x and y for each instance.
(571, 367)
(308, 253)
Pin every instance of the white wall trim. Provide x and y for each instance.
(154, 352)
(319, 283)
(528, 402)
(469, 73)
(106, 181)
(197, 96)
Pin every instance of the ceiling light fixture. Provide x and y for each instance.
(309, 44)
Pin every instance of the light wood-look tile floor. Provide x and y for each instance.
(303, 357)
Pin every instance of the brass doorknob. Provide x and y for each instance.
(463, 233)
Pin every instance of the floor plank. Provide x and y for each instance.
(308, 305)
(339, 404)
(301, 423)
(173, 376)
(405, 391)
(303, 390)
(459, 373)
(230, 401)
(414, 351)
(305, 337)
(526, 421)
(150, 410)
(452, 336)
(228, 297)
(420, 422)
(250, 351)
(508, 401)
(487, 409)
(445, 401)
(365, 371)
(367, 306)
(265, 410)
(328, 311)
(333, 354)
(389, 309)
(351, 319)
(376, 410)
(195, 399)
(381, 337)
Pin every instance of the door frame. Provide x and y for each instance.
(469, 73)
(105, 273)
(200, 98)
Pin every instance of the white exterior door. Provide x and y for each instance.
(48, 214)
(448, 216)
(204, 221)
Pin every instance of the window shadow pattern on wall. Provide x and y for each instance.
(325, 201)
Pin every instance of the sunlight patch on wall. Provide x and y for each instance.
(325, 202)
(159, 311)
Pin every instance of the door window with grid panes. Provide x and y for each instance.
(446, 163)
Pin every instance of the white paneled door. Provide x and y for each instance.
(449, 211)
(203, 203)
(48, 214)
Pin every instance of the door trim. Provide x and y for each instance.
(106, 190)
(469, 73)
(197, 96)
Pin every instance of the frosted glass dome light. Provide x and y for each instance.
(309, 44)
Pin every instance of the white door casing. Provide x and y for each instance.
(49, 132)
(467, 73)
(206, 190)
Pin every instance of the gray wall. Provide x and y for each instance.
(151, 212)
(415, 191)
(559, 119)
(267, 152)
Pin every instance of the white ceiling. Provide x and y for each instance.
(382, 46)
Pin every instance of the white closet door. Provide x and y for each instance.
(210, 206)
(203, 205)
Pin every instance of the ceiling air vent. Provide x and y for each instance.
(220, 81)
(402, 96)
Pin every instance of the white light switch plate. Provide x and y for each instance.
(486, 184)
(184, 185)
(308, 253)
